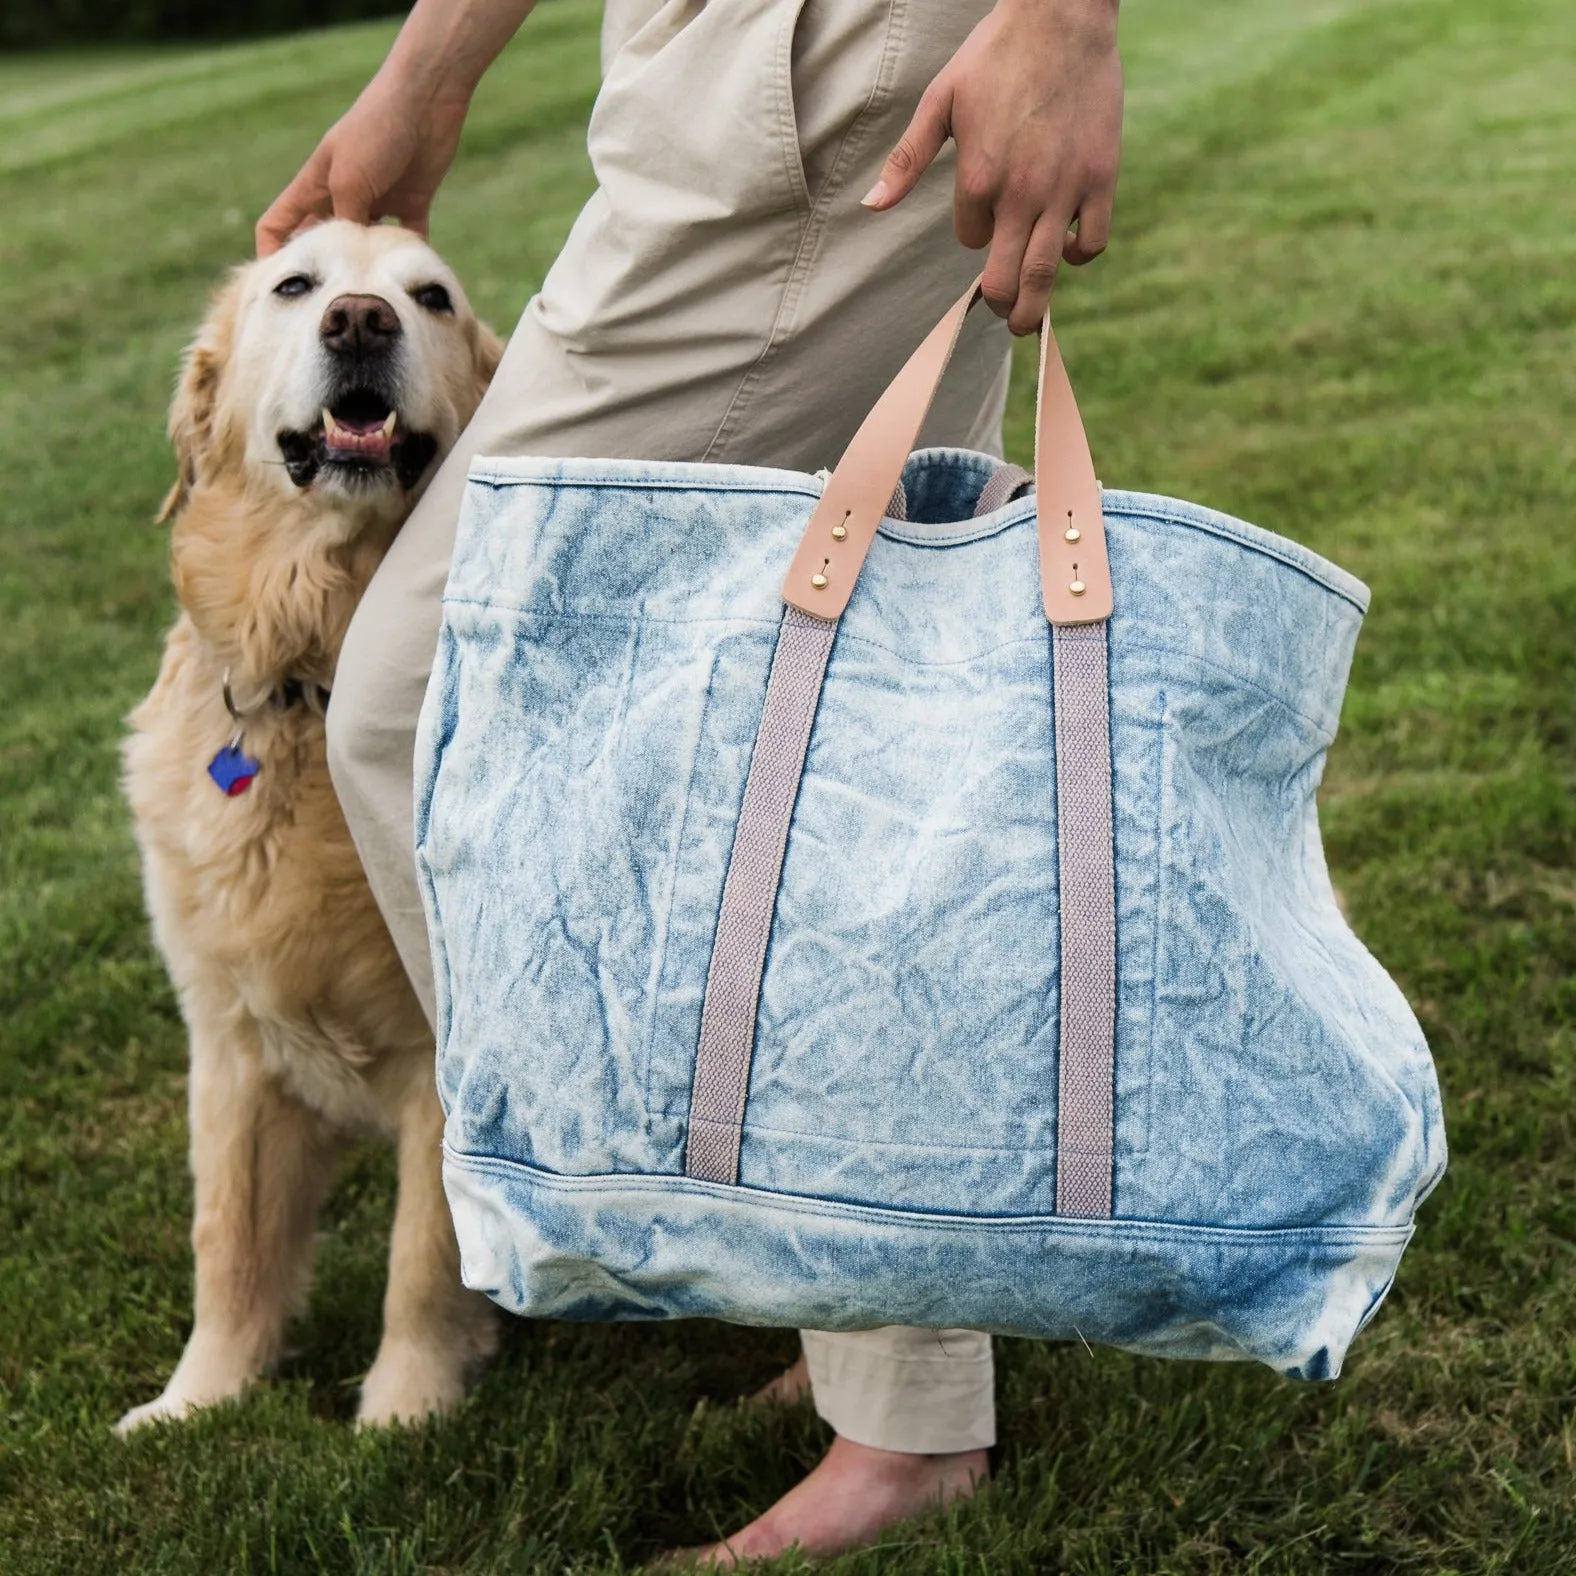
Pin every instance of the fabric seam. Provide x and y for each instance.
(845, 637)
(1208, 528)
(800, 1203)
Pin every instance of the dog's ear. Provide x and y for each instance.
(486, 353)
(196, 395)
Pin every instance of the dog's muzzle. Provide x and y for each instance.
(359, 437)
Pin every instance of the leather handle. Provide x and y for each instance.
(1075, 577)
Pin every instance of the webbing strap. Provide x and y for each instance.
(1004, 482)
(1085, 850)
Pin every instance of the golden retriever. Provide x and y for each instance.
(325, 386)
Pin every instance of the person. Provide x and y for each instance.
(762, 251)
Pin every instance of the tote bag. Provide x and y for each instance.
(938, 936)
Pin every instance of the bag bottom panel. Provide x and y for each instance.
(625, 1247)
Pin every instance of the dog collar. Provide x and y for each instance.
(232, 769)
(292, 692)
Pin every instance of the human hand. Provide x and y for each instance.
(386, 155)
(1033, 100)
(383, 158)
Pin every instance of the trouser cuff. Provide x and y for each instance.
(924, 1392)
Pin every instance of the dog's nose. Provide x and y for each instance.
(358, 325)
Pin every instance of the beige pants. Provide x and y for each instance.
(722, 297)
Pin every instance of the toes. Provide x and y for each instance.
(711, 1557)
(787, 1389)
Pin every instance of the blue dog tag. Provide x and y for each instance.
(233, 770)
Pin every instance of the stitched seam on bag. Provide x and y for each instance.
(599, 616)
(632, 484)
(1225, 534)
(1160, 908)
(918, 1146)
(846, 637)
(1327, 734)
(978, 532)
(1220, 532)
(603, 616)
(804, 1203)
(479, 473)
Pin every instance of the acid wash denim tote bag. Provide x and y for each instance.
(940, 937)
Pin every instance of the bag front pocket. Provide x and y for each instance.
(568, 838)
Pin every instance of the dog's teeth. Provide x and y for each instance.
(330, 426)
(388, 424)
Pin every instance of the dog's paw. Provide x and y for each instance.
(166, 1408)
(210, 1371)
(410, 1382)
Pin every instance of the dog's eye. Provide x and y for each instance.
(296, 285)
(434, 297)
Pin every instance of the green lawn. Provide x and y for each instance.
(1341, 302)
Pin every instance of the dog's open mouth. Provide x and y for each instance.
(360, 440)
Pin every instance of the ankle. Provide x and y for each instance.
(946, 1472)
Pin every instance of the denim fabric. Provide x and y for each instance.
(607, 632)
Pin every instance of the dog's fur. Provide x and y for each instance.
(304, 1030)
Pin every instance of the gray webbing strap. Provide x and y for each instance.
(749, 897)
(1004, 482)
(1085, 1099)
(998, 491)
(1087, 886)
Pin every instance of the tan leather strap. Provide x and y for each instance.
(1072, 528)
(1075, 578)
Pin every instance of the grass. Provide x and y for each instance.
(1341, 301)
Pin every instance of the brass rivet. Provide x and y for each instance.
(819, 582)
(1072, 534)
(839, 532)
(1078, 588)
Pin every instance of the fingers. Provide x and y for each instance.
(926, 136)
(978, 213)
(326, 188)
(352, 199)
(1041, 258)
(304, 199)
(1086, 243)
(999, 283)
(411, 213)
(1026, 249)
(1022, 269)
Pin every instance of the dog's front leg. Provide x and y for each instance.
(261, 1163)
(435, 1333)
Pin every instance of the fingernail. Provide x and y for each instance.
(876, 194)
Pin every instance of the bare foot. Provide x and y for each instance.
(790, 1387)
(852, 1496)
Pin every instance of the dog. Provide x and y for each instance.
(325, 386)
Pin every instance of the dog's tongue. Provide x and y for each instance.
(363, 439)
